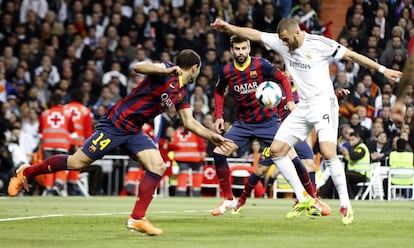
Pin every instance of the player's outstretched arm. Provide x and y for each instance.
(248, 33)
(196, 127)
(156, 68)
(392, 75)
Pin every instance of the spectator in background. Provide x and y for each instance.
(379, 148)
(358, 163)
(211, 58)
(355, 123)
(26, 142)
(359, 91)
(189, 153)
(364, 120)
(82, 120)
(269, 19)
(380, 20)
(55, 127)
(399, 158)
(128, 49)
(386, 101)
(40, 7)
(389, 126)
(386, 89)
(104, 102)
(340, 80)
(30, 124)
(343, 139)
(199, 94)
(116, 81)
(53, 76)
(198, 111)
(387, 57)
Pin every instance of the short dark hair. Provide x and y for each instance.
(187, 58)
(288, 24)
(237, 39)
(355, 134)
(401, 144)
(77, 95)
(55, 99)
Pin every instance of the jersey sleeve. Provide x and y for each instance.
(219, 96)
(329, 47)
(271, 41)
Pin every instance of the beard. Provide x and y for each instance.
(241, 59)
(294, 44)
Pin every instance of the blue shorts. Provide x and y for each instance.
(242, 133)
(107, 137)
(304, 151)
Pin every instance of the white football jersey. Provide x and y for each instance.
(308, 64)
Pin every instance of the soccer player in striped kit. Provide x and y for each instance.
(164, 87)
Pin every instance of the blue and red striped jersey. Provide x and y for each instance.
(242, 84)
(283, 111)
(148, 99)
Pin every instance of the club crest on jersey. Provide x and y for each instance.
(308, 55)
(253, 74)
(92, 149)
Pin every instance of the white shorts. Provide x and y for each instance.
(319, 113)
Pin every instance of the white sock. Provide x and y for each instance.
(338, 177)
(288, 171)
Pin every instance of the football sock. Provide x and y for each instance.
(146, 191)
(248, 187)
(52, 164)
(304, 177)
(285, 166)
(338, 177)
(223, 175)
(312, 178)
(270, 182)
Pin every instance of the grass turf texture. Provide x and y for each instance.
(186, 222)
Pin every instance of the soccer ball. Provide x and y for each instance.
(268, 94)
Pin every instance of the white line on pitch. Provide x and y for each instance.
(92, 214)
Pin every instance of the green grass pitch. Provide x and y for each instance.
(186, 222)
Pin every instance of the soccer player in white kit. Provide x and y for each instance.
(306, 57)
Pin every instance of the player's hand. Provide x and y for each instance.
(219, 125)
(290, 106)
(397, 113)
(219, 140)
(174, 71)
(392, 75)
(219, 25)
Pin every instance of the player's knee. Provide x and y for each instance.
(279, 149)
(77, 162)
(328, 150)
(157, 168)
